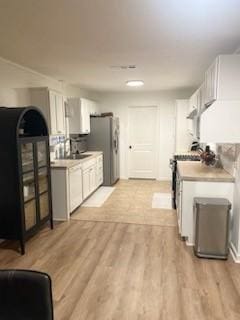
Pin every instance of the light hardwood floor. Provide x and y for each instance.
(116, 271)
(131, 202)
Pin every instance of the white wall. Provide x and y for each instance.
(118, 103)
(182, 135)
(16, 79)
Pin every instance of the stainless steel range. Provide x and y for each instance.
(173, 165)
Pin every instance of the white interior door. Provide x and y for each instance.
(142, 149)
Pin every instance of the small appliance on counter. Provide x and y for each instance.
(195, 146)
(208, 157)
(78, 144)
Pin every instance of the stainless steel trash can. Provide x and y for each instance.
(211, 231)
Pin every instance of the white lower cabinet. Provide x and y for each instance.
(187, 191)
(66, 191)
(99, 170)
(70, 186)
(86, 183)
(92, 176)
(75, 187)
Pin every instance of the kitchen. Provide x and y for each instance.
(134, 252)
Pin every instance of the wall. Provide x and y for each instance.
(16, 79)
(230, 157)
(118, 103)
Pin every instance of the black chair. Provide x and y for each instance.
(25, 295)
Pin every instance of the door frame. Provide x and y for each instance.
(156, 170)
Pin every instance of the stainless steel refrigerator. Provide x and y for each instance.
(104, 136)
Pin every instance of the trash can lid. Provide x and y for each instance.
(212, 201)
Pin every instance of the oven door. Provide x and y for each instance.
(173, 165)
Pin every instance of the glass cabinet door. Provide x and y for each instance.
(27, 157)
(30, 214)
(44, 205)
(42, 153)
(29, 191)
(42, 180)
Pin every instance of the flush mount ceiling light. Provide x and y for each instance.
(123, 67)
(135, 83)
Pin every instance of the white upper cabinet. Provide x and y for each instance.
(193, 102)
(222, 79)
(220, 123)
(201, 98)
(196, 102)
(78, 113)
(211, 82)
(52, 105)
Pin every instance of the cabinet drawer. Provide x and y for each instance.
(88, 164)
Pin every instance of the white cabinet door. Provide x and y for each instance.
(211, 82)
(193, 102)
(99, 171)
(60, 114)
(51, 104)
(85, 116)
(75, 187)
(86, 183)
(92, 178)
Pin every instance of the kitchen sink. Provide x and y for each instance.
(77, 156)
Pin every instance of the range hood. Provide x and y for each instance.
(220, 122)
(192, 114)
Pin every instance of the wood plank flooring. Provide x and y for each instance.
(131, 202)
(116, 271)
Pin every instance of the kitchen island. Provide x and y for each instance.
(195, 179)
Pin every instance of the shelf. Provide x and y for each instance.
(29, 199)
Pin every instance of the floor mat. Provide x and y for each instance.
(99, 197)
(162, 201)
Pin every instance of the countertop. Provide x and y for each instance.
(69, 163)
(198, 171)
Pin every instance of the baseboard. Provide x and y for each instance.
(164, 179)
(60, 219)
(234, 253)
(189, 244)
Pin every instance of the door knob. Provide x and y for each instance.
(130, 147)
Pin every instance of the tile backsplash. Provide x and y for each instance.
(229, 155)
(56, 146)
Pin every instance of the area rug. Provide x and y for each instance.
(99, 197)
(162, 201)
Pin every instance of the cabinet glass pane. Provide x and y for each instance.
(28, 186)
(42, 153)
(44, 205)
(27, 156)
(42, 180)
(30, 214)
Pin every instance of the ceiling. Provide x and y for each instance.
(170, 41)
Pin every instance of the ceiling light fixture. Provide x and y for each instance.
(135, 83)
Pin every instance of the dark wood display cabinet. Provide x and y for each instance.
(25, 178)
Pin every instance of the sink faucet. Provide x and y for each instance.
(67, 152)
